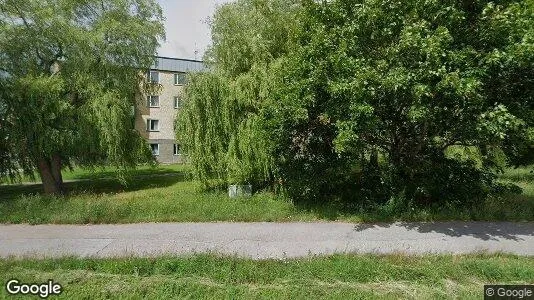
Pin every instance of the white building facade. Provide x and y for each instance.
(156, 113)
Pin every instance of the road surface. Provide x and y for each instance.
(264, 240)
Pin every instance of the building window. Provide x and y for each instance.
(177, 102)
(152, 125)
(155, 149)
(153, 76)
(180, 79)
(152, 101)
(176, 149)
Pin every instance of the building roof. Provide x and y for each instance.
(178, 64)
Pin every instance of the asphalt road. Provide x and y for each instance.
(264, 240)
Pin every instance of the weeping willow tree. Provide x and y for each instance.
(219, 128)
(220, 124)
(69, 74)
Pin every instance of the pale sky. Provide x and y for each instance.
(186, 27)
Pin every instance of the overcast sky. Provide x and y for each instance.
(186, 27)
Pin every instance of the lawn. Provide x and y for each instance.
(167, 194)
(110, 172)
(332, 277)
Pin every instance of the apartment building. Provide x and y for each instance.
(156, 113)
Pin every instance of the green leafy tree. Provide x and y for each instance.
(70, 72)
(423, 101)
(220, 125)
(405, 82)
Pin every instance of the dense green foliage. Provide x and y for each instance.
(220, 129)
(404, 82)
(70, 73)
(333, 277)
(220, 126)
(411, 102)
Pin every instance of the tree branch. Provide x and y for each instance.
(31, 30)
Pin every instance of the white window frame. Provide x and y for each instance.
(176, 78)
(155, 153)
(177, 101)
(150, 76)
(149, 101)
(175, 147)
(149, 123)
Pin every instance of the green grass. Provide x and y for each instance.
(152, 195)
(154, 199)
(333, 277)
(110, 172)
(522, 174)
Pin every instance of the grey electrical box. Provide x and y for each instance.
(239, 191)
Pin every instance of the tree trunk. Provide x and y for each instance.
(373, 160)
(50, 172)
(55, 164)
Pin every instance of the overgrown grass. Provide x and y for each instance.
(333, 277)
(154, 195)
(522, 174)
(145, 199)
